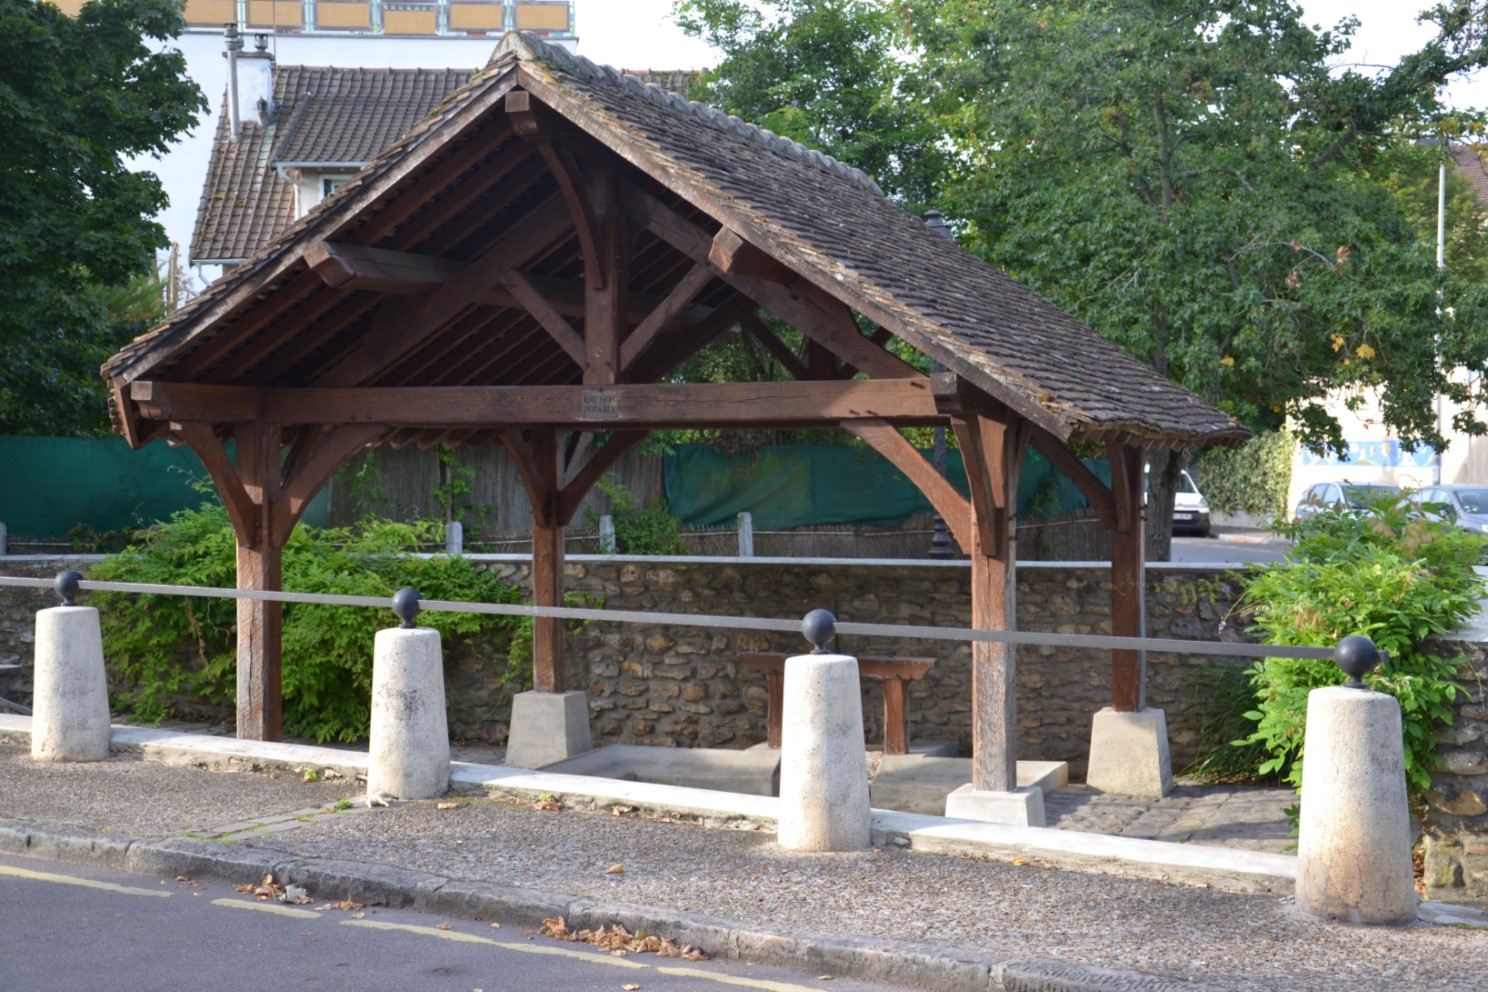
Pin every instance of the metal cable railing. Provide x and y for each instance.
(1167, 645)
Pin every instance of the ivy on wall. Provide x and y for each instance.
(1253, 478)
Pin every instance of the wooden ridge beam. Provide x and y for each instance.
(625, 405)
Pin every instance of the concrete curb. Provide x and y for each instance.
(929, 966)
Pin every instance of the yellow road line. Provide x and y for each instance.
(267, 907)
(87, 883)
(753, 983)
(467, 938)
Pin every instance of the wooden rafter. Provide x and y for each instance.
(762, 333)
(547, 317)
(666, 314)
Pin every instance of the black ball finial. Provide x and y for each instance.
(1357, 656)
(819, 626)
(67, 586)
(406, 605)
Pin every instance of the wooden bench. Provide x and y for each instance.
(895, 672)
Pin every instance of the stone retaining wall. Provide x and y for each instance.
(1456, 817)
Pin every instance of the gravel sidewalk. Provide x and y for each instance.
(949, 906)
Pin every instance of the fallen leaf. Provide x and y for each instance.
(444, 926)
(443, 806)
(615, 869)
(495, 926)
(358, 916)
(549, 802)
(1020, 861)
(823, 978)
(621, 810)
(630, 987)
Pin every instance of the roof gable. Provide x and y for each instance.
(831, 237)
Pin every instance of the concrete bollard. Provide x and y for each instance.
(823, 772)
(69, 709)
(1354, 841)
(408, 754)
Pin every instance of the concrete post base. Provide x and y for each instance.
(823, 771)
(408, 754)
(1023, 807)
(1354, 836)
(1129, 753)
(69, 711)
(547, 727)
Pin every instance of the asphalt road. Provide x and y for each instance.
(1209, 551)
(69, 927)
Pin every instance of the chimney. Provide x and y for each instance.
(250, 79)
(234, 46)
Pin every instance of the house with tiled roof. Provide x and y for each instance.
(300, 132)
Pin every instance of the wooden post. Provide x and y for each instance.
(260, 566)
(1128, 578)
(547, 562)
(606, 302)
(993, 453)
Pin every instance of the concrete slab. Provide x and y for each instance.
(1019, 808)
(750, 772)
(920, 783)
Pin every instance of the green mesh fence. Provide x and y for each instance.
(48, 485)
(786, 486)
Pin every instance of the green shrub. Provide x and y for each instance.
(647, 530)
(167, 648)
(1389, 574)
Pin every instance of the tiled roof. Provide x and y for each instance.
(822, 219)
(331, 116)
(829, 220)
(1468, 162)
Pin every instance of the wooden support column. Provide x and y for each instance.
(993, 453)
(1128, 578)
(265, 496)
(260, 566)
(536, 454)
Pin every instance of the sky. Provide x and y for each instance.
(639, 34)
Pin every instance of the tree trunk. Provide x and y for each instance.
(1162, 486)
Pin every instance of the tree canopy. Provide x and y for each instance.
(1192, 178)
(78, 98)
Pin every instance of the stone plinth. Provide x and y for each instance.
(823, 772)
(70, 714)
(1354, 841)
(408, 754)
(1129, 753)
(547, 727)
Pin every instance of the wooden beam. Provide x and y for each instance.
(601, 462)
(1096, 492)
(953, 508)
(543, 312)
(606, 278)
(203, 441)
(731, 254)
(308, 473)
(352, 266)
(762, 333)
(625, 405)
(666, 314)
(1128, 577)
(805, 306)
(409, 325)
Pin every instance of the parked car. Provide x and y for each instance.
(1464, 505)
(1190, 509)
(1321, 497)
